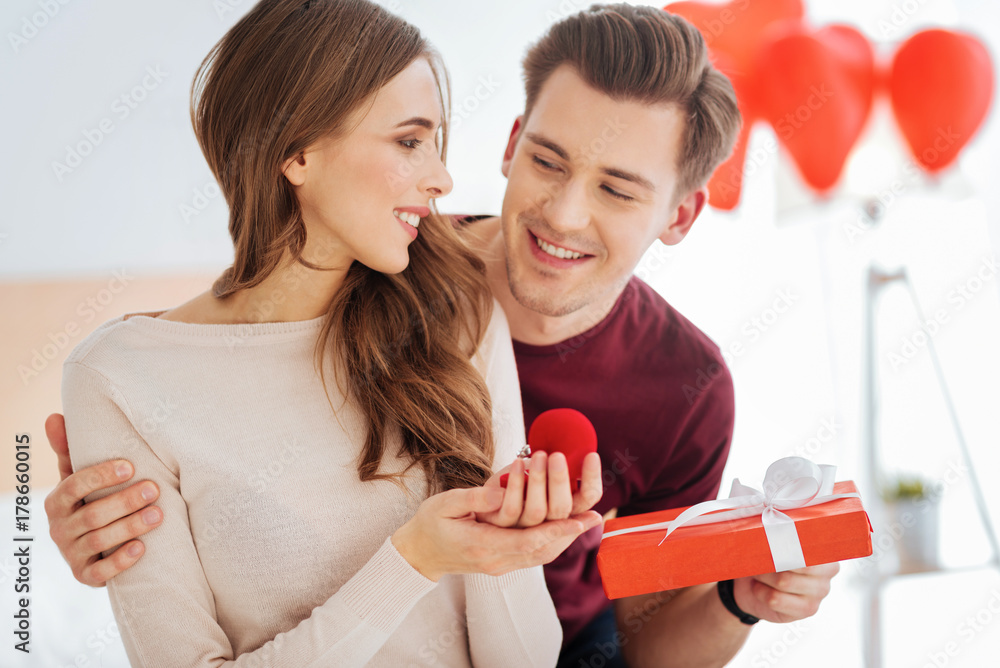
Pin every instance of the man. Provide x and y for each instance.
(625, 120)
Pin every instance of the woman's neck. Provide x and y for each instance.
(291, 293)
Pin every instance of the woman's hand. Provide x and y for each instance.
(444, 536)
(550, 494)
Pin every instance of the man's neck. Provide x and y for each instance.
(526, 325)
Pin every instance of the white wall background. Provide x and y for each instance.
(121, 207)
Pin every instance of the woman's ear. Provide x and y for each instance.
(294, 169)
(684, 215)
(508, 154)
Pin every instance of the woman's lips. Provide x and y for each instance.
(410, 229)
(421, 211)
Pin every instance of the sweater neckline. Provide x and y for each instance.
(148, 321)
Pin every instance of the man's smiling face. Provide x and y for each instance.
(593, 180)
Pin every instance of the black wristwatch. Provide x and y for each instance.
(726, 594)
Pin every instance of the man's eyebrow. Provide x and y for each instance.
(629, 176)
(417, 120)
(610, 171)
(551, 145)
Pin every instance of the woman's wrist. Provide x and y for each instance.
(406, 543)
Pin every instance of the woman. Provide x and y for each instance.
(296, 531)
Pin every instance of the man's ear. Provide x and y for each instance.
(508, 154)
(294, 169)
(684, 216)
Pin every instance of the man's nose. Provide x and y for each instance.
(568, 208)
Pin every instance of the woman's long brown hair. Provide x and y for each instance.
(290, 73)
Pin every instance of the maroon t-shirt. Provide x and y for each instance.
(661, 399)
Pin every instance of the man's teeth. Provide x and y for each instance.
(407, 217)
(557, 251)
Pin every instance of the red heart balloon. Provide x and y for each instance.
(816, 88)
(736, 28)
(941, 86)
(726, 184)
(733, 33)
(856, 55)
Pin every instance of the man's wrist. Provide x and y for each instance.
(725, 589)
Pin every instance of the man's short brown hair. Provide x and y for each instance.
(648, 55)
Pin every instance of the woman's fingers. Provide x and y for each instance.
(462, 503)
(560, 488)
(513, 500)
(549, 494)
(498, 479)
(536, 500)
(509, 512)
(446, 537)
(591, 485)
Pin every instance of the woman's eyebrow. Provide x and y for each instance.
(419, 121)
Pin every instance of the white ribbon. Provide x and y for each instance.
(790, 482)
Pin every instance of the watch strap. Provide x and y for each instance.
(726, 594)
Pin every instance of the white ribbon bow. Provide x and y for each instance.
(790, 482)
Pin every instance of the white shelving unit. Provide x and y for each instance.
(878, 578)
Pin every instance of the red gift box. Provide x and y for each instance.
(638, 563)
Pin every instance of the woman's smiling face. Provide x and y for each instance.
(362, 193)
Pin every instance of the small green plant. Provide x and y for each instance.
(906, 487)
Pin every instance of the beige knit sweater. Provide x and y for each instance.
(272, 552)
